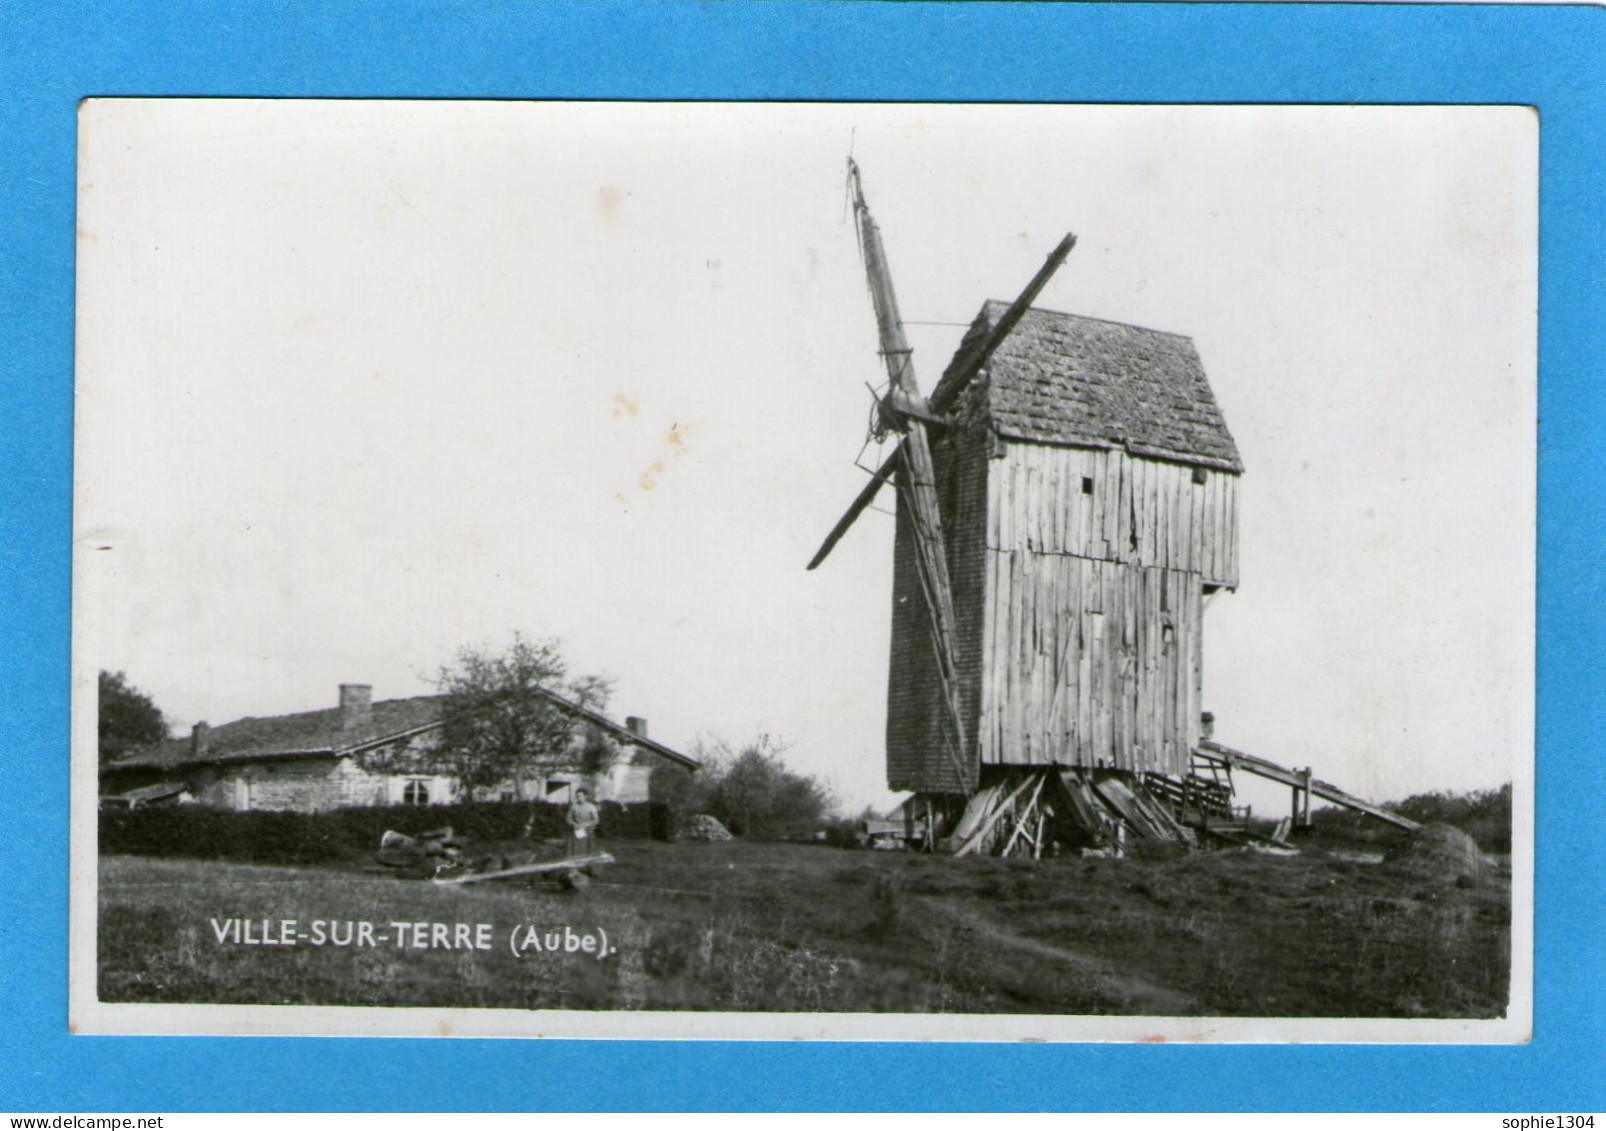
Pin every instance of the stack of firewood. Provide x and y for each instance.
(705, 827)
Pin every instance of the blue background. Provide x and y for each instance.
(52, 56)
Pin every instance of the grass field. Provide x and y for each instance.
(794, 927)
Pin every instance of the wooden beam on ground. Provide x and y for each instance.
(545, 866)
(1260, 767)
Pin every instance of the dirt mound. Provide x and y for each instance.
(1439, 852)
(704, 827)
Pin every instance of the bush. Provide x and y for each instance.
(675, 799)
(1484, 815)
(339, 836)
(754, 794)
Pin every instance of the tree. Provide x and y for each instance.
(128, 718)
(499, 720)
(599, 753)
(754, 793)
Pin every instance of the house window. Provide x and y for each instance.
(416, 793)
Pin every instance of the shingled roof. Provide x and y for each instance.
(320, 734)
(307, 734)
(1063, 378)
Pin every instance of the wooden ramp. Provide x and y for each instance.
(1298, 780)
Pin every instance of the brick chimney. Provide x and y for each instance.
(636, 725)
(356, 707)
(200, 740)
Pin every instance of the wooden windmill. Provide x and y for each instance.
(1066, 498)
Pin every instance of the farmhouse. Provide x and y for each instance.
(365, 753)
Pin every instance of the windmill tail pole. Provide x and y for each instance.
(1261, 767)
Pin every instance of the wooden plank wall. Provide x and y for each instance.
(1093, 646)
(1036, 503)
(1090, 663)
(1061, 621)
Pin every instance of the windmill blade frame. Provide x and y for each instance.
(865, 497)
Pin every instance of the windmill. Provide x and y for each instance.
(1065, 500)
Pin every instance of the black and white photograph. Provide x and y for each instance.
(804, 571)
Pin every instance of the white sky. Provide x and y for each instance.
(362, 382)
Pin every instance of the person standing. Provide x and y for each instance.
(583, 817)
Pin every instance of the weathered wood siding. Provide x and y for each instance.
(1078, 578)
(1139, 511)
(1097, 562)
(917, 743)
(1090, 663)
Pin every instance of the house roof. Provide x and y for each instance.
(312, 734)
(1064, 378)
(307, 734)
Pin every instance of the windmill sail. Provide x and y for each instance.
(902, 409)
(851, 515)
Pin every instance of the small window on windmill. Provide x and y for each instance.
(1199, 476)
(1087, 484)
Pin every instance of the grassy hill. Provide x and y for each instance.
(746, 926)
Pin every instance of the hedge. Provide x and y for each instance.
(342, 835)
(1484, 815)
